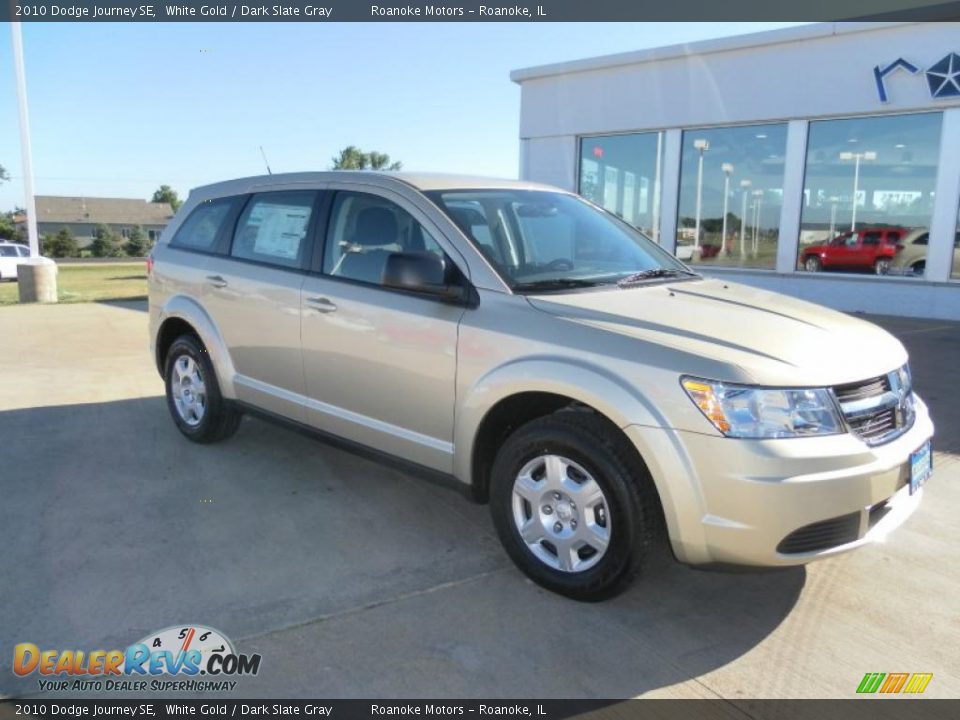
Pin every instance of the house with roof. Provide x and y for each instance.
(82, 215)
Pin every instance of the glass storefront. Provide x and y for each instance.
(731, 193)
(955, 271)
(621, 173)
(868, 194)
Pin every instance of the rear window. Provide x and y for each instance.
(8, 251)
(201, 230)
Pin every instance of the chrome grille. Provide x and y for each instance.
(879, 409)
(860, 390)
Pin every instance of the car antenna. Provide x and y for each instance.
(265, 161)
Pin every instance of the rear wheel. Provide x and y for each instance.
(882, 266)
(919, 267)
(573, 506)
(193, 393)
(812, 264)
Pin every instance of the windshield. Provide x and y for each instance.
(541, 240)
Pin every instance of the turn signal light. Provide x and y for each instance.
(703, 395)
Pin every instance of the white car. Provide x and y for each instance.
(12, 255)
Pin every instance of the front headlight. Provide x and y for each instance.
(744, 411)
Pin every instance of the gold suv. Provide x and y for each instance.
(535, 349)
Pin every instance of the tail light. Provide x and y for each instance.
(899, 247)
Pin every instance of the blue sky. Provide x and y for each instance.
(118, 109)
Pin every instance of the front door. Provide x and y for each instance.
(380, 364)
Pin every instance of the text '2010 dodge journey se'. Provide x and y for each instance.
(545, 354)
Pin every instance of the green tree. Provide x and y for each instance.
(8, 231)
(137, 245)
(4, 176)
(61, 245)
(353, 158)
(166, 194)
(105, 243)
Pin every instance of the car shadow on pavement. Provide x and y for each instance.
(351, 578)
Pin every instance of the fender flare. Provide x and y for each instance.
(618, 400)
(190, 311)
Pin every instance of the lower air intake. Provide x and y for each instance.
(822, 535)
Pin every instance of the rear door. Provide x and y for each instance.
(253, 293)
(380, 364)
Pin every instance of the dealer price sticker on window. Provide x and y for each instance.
(921, 466)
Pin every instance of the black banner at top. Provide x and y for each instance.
(469, 11)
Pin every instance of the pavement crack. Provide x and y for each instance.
(376, 604)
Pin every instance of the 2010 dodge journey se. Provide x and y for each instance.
(545, 354)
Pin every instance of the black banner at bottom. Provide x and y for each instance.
(860, 709)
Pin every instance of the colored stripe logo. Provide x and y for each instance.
(893, 683)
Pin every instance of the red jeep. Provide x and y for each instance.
(870, 249)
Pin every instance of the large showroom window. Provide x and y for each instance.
(731, 191)
(621, 173)
(955, 272)
(868, 194)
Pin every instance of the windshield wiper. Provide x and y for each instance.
(653, 274)
(556, 284)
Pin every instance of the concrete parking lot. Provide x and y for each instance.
(356, 580)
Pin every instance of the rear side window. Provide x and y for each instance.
(201, 230)
(273, 228)
(8, 251)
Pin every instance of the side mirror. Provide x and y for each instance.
(421, 272)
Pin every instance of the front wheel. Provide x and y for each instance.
(812, 264)
(193, 393)
(573, 505)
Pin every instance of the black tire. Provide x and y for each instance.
(919, 267)
(812, 264)
(634, 508)
(220, 419)
(882, 266)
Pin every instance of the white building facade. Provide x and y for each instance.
(821, 161)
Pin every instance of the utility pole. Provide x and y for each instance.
(25, 153)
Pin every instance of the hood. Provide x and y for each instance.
(773, 339)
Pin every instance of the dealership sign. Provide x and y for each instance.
(943, 77)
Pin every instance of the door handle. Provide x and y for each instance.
(216, 281)
(321, 304)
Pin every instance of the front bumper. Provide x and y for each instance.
(734, 501)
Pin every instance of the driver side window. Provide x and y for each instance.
(364, 230)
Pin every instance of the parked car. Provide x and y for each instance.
(870, 249)
(913, 257)
(521, 343)
(11, 255)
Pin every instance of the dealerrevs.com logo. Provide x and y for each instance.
(199, 658)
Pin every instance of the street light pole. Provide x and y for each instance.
(833, 216)
(756, 224)
(727, 172)
(856, 157)
(745, 185)
(701, 145)
(25, 153)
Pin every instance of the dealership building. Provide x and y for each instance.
(822, 161)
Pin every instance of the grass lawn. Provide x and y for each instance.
(90, 283)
